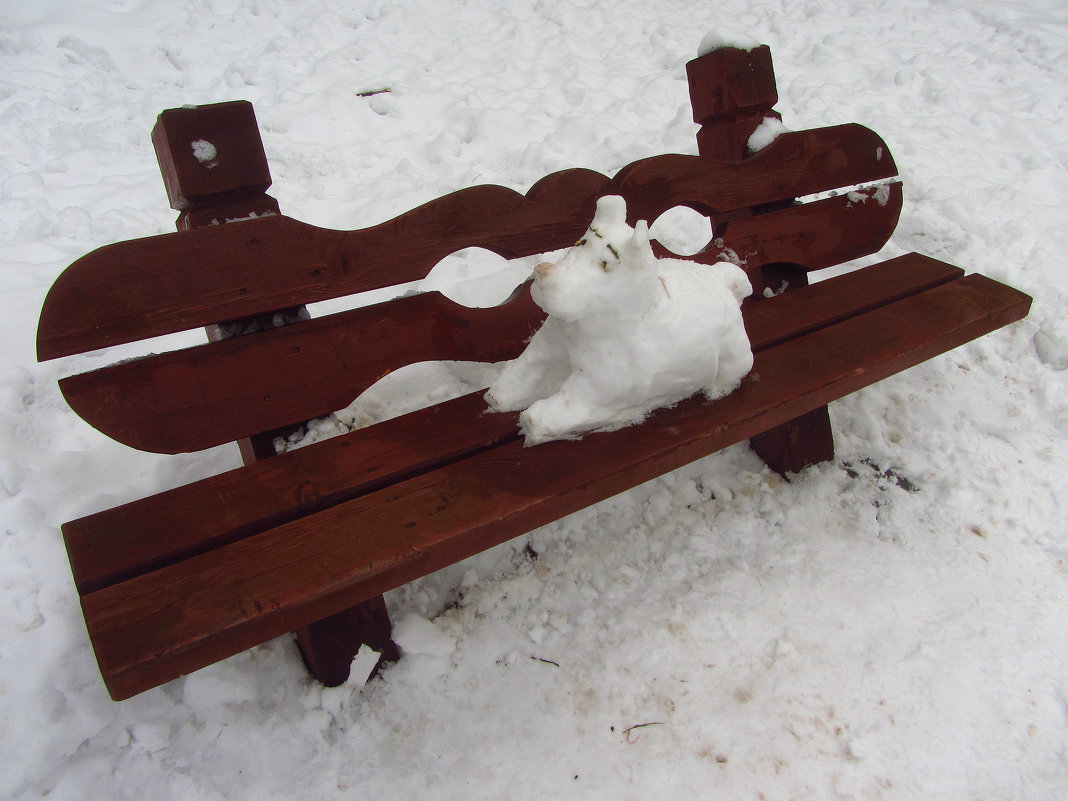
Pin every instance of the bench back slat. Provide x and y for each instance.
(192, 399)
(159, 285)
(150, 533)
(811, 235)
(174, 282)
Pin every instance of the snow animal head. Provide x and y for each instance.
(611, 266)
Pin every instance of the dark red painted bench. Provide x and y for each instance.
(309, 540)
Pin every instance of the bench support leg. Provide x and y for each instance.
(793, 446)
(329, 645)
(233, 189)
(805, 440)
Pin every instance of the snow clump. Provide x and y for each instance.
(626, 334)
(722, 38)
(766, 133)
(205, 152)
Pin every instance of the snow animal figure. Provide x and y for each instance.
(626, 333)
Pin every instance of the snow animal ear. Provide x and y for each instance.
(639, 240)
(611, 211)
(639, 253)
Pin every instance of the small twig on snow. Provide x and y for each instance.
(642, 726)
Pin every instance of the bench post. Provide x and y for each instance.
(215, 171)
(731, 92)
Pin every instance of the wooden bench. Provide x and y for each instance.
(307, 541)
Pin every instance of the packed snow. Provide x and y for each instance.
(205, 152)
(887, 626)
(723, 37)
(766, 133)
(626, 333)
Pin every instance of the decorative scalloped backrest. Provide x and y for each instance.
(263, 263)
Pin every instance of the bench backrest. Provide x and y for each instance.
(761, 205)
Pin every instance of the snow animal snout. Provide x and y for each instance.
(611, 266)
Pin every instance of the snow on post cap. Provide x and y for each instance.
(206, 153)
(765, 133)
(723, 38)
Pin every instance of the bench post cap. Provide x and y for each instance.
(731, 80)
(210, 154)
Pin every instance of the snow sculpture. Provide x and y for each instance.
(626, 333)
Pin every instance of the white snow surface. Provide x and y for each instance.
(626, 333)
(887, 626)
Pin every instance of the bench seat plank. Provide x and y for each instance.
(179, 618)
(143, 535)
(222, 391)
(159, 285)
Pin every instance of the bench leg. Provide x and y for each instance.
(793, 446)
(805, 440)
(329, 645)
(237, 188)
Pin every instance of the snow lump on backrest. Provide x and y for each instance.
(626, 333)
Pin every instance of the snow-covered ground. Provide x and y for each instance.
(890, 626)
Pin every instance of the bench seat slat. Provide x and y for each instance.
(149, 287)
(143, 535)
(160, 625)
(796, 164)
